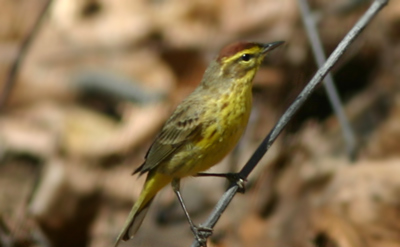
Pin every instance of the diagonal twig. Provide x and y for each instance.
(329, 85)
(10, 81)
(227, 197)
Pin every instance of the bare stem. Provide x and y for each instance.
(329, 85)
(10, 81)
(227, 197)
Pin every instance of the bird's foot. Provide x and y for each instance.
(201, 234)
(239, 180)
(232, 177)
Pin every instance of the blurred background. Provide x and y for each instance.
(101, 77)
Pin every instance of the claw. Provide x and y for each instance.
(241, 187)
(201, 234)
(239, 180)
(232, 177)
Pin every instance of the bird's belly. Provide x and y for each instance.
(218, 140)
(202, 156)
(219, 148)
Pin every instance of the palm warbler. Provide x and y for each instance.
(203, 128)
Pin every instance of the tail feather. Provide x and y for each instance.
(133, 222)
(154, 183)
(136, 222)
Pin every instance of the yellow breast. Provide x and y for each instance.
(223, 122)
(228, 120)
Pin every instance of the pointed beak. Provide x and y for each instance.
(270, 46)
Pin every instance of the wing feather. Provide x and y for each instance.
(181, 128)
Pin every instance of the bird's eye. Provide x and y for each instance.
(246, 57)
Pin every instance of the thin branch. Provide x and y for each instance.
(10, 81)
(329, 85)
(227, 197)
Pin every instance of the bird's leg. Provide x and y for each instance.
(201, 233)
(232, 177)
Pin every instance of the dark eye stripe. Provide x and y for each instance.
(246, 57)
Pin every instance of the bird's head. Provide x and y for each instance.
(238, 61)
(239, 58)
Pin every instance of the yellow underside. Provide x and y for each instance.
(219, 138)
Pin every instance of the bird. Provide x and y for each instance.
(202, 130)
